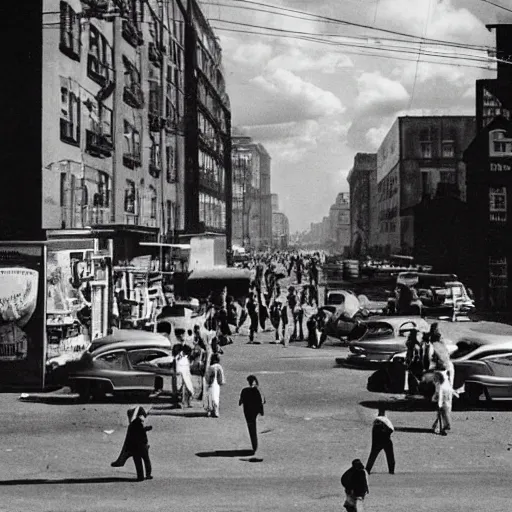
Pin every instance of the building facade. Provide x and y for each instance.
(252, 198)
(339, 223)
(362, 179)
(417, 155)
(280, 226)
(489, 184)
(208, 180)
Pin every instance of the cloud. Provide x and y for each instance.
(378, 94)
(298, 60)
(296, 99)
(252, 54)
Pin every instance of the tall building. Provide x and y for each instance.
(252, 199)
(208, 181)
(280, 226)
(362, 180)
(339, 222)
(112, 117)
(489, 184)
(417, 155)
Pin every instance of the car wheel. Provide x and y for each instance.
(84, 391)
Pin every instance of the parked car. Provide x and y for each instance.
(124, 367)
(383, 338)
(183, 316)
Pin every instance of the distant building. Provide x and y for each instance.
(417, 155)
(339, 223)
(252, 206)
(362, 179)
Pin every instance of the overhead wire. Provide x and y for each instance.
(342, 22)
(391, 48)
(497, 5)
(351, 52)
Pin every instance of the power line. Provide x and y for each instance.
(391, 48)
(341, 21)
(425, 28)
(352, 52)
(497, 5)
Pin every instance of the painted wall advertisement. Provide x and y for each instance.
(22, 315)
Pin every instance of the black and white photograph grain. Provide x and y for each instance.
(254, 256)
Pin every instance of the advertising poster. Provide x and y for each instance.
(22, 316)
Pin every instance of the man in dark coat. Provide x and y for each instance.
(355, 483)
(252, 402)
(136, 444)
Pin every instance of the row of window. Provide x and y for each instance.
(388, 227)
(212, 211)
(211, 173)
(447, 149)
(77, 189)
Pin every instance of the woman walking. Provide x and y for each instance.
(214, 380)
(252, 402)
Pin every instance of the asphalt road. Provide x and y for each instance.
(56, 453)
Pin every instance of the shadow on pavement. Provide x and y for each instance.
(225, 453)
(74, 400)
(421, 404)
(252, 459)
(39, 481)
(178, 413)
(343, 363)
(414, 430)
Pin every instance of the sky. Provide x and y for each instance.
(314, 105)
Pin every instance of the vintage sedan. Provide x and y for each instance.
(383, 338)
(125, 367)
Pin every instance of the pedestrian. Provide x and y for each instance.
(183, 369)
(252, 402)
(136, 444)
(252, 311)
(443, 397)
(214, 380)
(276, 315)
(355, 483)
(381, 440)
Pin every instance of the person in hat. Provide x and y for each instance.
(252, 402)
(136, 444)
(355, 483)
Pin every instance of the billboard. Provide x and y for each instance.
(22, 315)
(388, 154)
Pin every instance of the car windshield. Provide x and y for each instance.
(378, 330)
(464, 348)
(336, 298)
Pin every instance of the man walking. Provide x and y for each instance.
(355, 483)
(381, 440)
(252, 402)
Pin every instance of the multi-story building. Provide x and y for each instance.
(417, 154)
(489, 184)
(362, 180)
(208, 193)
(252, 200)
(112, 147)
(280, 226)
(339, 222)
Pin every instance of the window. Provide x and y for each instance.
(448, 149)
(170, 208)
(69, 113)
(144, 356)
(155, 163)
(498, 204)
(426, 149)
(102, 197)
(99, 60)
(114, 360)
(130, 195)
(500, 145)
(498, 282)
(70, 32)
(171, 174)
(152, 202)
(132, 93)
(99, 128)
(448, 177)
(131, 155)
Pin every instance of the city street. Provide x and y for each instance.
(56, 453)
